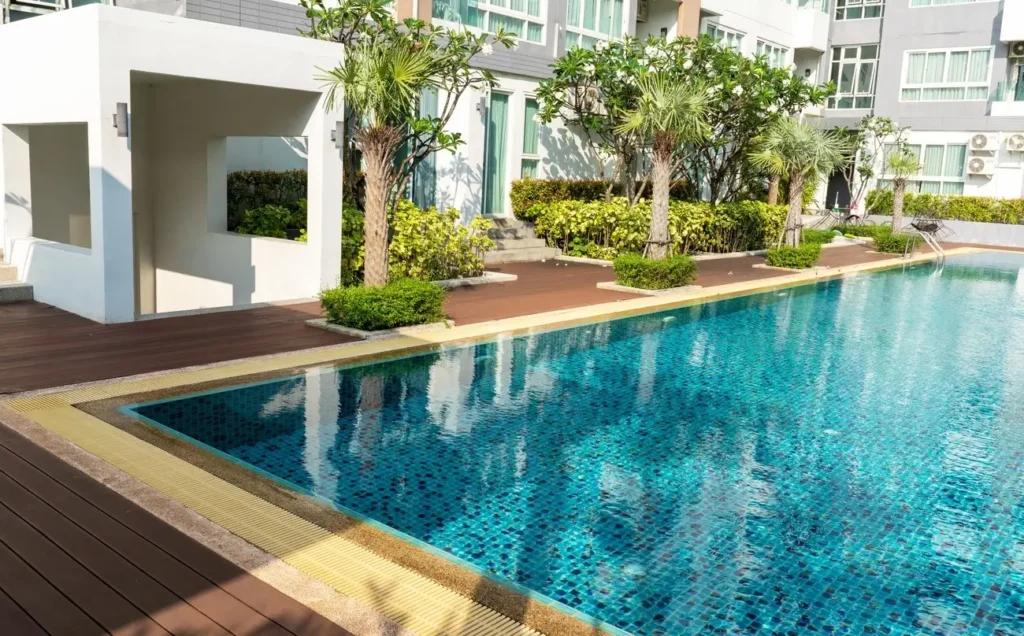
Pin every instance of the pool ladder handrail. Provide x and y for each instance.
(930, 241)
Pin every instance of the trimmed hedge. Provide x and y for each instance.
(615, 227)
(634, 270)
(868, 231)
(794, 257)
(401, 303)
(528, 193)
(250, 189)
(274, 221)
(950, 207)
(822, 237)
(896, 243)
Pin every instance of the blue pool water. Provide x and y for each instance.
(839, 458)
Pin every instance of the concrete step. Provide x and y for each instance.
(520, 244)
(520, 256)
(510, 233)
(15, 292)
(506, 222)
(8, 273)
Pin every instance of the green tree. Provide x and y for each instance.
(901, 165)
(805, 153)
(382, 79)
(872, 142)
(667, 116)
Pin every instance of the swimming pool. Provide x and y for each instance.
(844, 457)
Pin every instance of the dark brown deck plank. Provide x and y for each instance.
(53, 611)
(166, 609)
(230, 578)
(81, 587)
(14, 619)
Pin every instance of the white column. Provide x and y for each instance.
(110, 187)
(15, 180)
(324, 196)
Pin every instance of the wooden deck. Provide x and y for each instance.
(78, 559)
(42, 347)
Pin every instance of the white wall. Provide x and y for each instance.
(197, 262)
(661, 14)
(59, 168)
(460, 175)
(770, 20)
(267, 153)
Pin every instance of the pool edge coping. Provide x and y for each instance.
(54, 410)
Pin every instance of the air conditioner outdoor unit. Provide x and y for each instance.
(1015, 143)
(981, 166)
(982, 142)
(1017, 49)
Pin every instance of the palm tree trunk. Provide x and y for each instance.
(796, 208)
(773, 190)
(375, 272)
(899, 189)
(657, 243)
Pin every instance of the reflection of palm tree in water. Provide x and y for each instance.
(371, 399)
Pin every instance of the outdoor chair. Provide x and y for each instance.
(925, 223)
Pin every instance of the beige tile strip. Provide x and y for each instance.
(411, 599)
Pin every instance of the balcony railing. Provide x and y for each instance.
(821, 5)
(1010, 92)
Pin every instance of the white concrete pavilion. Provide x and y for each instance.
(119, 224)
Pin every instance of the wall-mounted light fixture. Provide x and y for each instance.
(121, 119)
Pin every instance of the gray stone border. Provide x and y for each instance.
(321, 323)
(483, 279)
(611, 286)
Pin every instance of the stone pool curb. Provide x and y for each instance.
(424, 602)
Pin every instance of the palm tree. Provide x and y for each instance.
(667, 115)
(901, 165)
(803, 152)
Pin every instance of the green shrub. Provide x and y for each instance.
(401, 303)
(794, 257)
(821, 237)
(250, 189)
(867, 231)
(693, 227)
(270, 220)
(950, 207)
(588, 249)
(896, 243)
(526, 194)
(425, 244)
(634, 270)
(432, 245)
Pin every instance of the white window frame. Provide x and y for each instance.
(834, 100)
(987, 84)
(932, 5)
(914, 181)
(535, 156)
(713, 28)
(858, 4)
(582, 32)
(766, 48)
(486, 8)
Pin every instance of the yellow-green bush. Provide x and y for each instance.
(896, 243)
(950, 207)
(616, 228)
(794, 257)
(526, 194)
(633, 270)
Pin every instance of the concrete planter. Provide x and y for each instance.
(321, 323)
(611, 286)
(483, 279)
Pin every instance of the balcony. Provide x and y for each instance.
(1009, 100)
(1012, 29)
(810, 28)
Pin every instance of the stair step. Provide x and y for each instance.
(15, 292)
(507, 222)
(510, 233)
(521, 256)
(8, 273)
(519, 244)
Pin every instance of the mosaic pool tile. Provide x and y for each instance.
(843, 458)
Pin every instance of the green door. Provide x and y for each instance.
(494, 154)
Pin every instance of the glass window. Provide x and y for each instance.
(589, 21)
(776, 54)
(932, 3)
(524, 18)
(951, 75)
(859, 9)
(853, 70)
(727, 37)
(942, 168)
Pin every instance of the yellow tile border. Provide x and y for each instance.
(413, 600)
